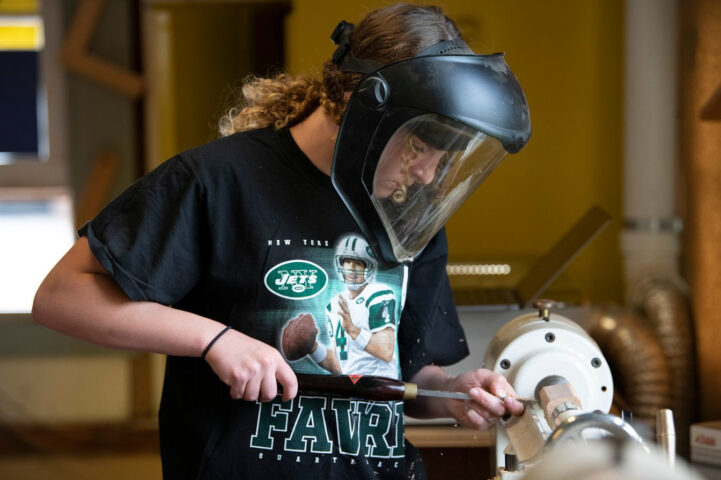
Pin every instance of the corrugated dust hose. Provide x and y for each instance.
(650, 351)
(639, 366)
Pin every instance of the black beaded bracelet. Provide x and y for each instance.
(215, 339)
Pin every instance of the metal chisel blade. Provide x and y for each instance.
(438, 393)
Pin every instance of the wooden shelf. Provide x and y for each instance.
(423, 436)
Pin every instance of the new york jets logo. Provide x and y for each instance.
(296, 279)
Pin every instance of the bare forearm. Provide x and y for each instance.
(80, 299)
(90, 306)
(490, 397)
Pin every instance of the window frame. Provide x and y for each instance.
(33, 172)
(33, 178)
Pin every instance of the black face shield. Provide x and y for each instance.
(418, 137)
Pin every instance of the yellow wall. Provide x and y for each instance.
(18, 6)
(200, 52)
(567, 55)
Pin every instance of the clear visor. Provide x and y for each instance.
(427, 169)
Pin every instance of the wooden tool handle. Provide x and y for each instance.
(368, 387)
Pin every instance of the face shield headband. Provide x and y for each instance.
(346, 62)
(418, 137)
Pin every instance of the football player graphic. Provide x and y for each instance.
(362, 319)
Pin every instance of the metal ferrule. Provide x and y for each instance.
(411, 391)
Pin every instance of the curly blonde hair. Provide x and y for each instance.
(385, 35)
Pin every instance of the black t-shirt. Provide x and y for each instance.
(244, 230)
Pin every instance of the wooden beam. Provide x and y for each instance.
(712, 109)
(98, 185)
(83, 25)
(76, 57)
(105, 73)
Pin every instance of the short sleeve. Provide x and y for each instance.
(149, 237)
(430, 331)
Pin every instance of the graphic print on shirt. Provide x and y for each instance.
(342, 311)
(296, 279)
(340, 314)
(308, 424)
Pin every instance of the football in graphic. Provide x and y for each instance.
(298, 336)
